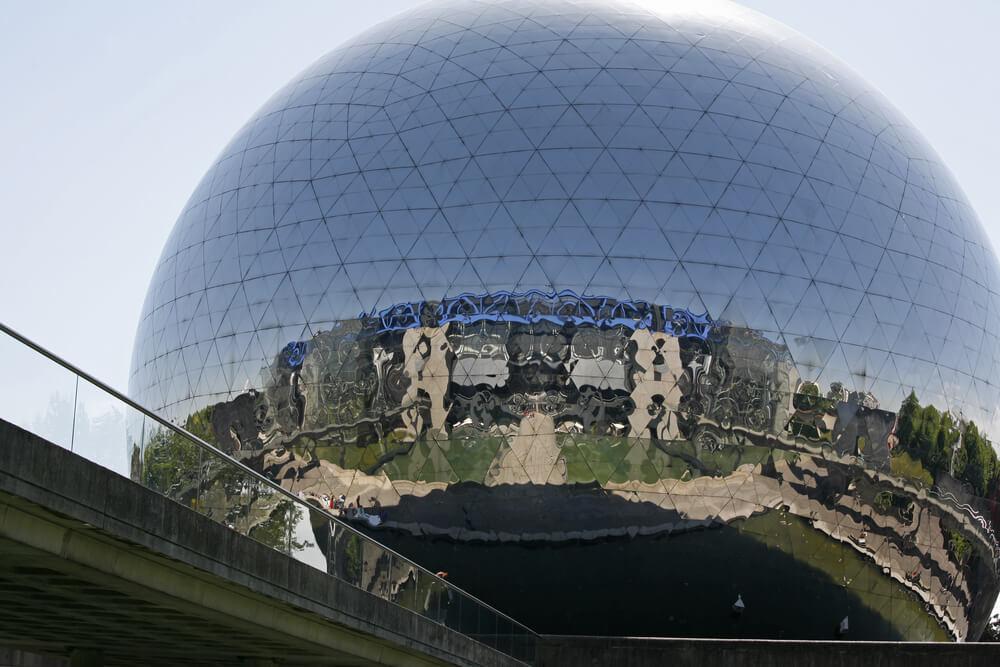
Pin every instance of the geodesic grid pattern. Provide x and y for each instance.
(703, 157)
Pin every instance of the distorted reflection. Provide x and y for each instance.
(567, 419)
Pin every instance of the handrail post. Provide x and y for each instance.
(76, 398)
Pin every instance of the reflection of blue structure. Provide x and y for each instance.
(535, 306)
(295, 353)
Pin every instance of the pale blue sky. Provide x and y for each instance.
(112, 111)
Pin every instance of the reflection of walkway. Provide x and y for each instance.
(970, 521)
(882, 537)
(533, 455)
(738, 495)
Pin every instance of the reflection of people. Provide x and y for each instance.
(438, 599)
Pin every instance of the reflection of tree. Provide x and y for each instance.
(274, 528)
(348, 556)
(171, 465)
(959, 546)
(215, 486)
(927, 434)
(883, 501)
(942, 444)
(354, 561)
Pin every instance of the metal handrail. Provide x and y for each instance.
(262, 478)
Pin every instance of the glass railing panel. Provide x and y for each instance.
(405, 583)
(347, 555)
(487, 626)
(505, 635)
(437, 600)
(99, 427)
(378, 566)
(455, 615)
(530, 643)
(37, 394)
(309, 531)
(269, 513)
(522, 646)
(466, 615)
(221, 486)
(46, 396)
(135, 441)
(171, 465)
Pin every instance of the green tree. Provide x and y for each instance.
(909, 421)
(939, 457)
(961, 460)
(171, 465)
(930, 426)
(980, 461)
(972, 472)
(931, 438)
(959, 546)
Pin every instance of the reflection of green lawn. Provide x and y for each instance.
(470, 457)
(467, 457)
(902, 465)
(844, 566)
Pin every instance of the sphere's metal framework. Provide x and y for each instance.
(549, 281)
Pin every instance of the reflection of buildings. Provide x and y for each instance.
(573, 429)
(864, 432)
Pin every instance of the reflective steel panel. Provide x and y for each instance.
(618, 316)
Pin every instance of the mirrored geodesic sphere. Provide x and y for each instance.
(550, 282)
